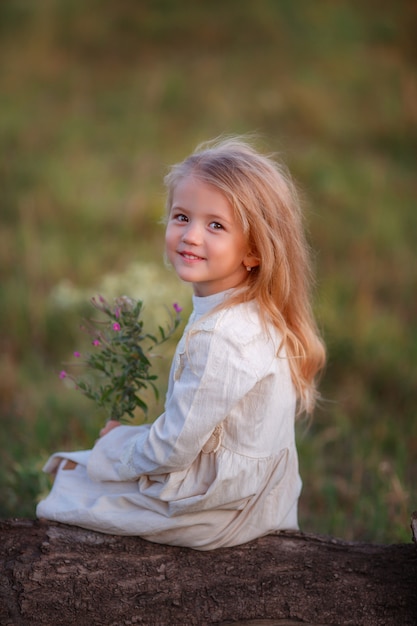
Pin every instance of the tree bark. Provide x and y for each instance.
(52, 574)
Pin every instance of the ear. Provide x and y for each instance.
(250, 260)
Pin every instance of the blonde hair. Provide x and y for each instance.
(266, 204)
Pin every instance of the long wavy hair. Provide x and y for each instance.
(267, 206)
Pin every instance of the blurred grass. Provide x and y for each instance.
(98, 97)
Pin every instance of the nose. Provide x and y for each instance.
(192, 234)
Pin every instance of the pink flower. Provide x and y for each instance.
(62, 374)
(116, 326)
(77, 355)
(96, 343)
(117, 313)
(177, 307)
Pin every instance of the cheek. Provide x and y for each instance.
(170, 240)
(168, 235)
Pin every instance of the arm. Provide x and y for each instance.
(213, 374)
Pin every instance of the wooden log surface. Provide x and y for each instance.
(53, 574)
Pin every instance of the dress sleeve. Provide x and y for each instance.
(211, 375)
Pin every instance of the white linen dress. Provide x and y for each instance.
(218, 468)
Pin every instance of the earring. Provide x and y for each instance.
(248, 268)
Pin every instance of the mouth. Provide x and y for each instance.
(190, 257)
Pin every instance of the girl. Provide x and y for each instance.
(219, 467)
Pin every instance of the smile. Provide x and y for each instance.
(190, 257)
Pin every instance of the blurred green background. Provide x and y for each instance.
(97, 97)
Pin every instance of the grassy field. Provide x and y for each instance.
(97, 98)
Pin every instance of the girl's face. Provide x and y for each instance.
(204, 241)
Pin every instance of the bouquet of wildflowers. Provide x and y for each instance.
(119, 362)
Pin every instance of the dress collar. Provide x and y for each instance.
(203, 305)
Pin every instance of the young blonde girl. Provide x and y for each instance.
(219, 467)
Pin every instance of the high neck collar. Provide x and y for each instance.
(203, 305)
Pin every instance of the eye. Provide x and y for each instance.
(216, 226)
(180, 217)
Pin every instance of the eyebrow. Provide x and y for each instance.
(215, 217)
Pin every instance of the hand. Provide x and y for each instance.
(108, 427)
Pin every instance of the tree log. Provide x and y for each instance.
(53, 574)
